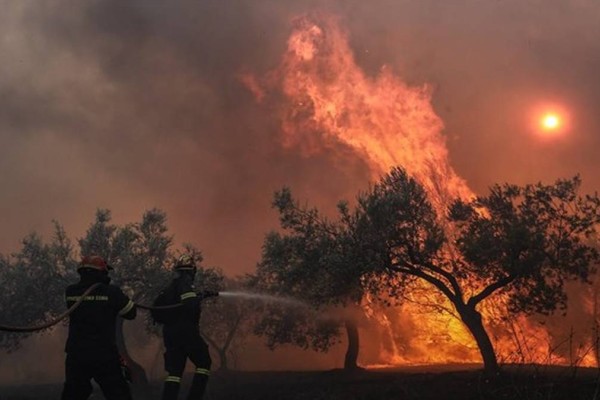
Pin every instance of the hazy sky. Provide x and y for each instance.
(138, 104)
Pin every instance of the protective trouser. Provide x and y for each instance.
(176, 356)
(107, 373)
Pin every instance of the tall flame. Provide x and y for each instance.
(382, 119)
(329, 99)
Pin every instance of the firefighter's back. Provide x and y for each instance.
(92, 325)
(91, 346)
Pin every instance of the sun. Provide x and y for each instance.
(551, 122)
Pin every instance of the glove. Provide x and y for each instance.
(128, 291)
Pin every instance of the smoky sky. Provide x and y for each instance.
(139, 104)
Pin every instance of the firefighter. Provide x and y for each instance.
(181, 331)
(91, 346)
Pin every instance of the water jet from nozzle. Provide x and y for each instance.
(264, 297)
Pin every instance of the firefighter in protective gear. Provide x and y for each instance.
(181, 333)
(91, 346)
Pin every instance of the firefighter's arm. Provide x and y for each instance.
(125, 306)
(187, 296)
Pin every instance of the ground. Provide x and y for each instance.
(423, 383)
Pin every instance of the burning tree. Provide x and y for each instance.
(525, 243)
(519, 242)
(310, 262)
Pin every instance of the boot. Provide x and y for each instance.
(171, 388)
(198, 386)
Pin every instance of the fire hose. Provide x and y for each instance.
(64, 315)
(54, 321)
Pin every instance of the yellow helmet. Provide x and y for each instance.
(185, 262)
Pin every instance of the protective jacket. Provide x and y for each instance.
(184, 320)
(92, 324)
(91, 347)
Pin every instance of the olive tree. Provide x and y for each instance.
(309, 261)
(33, 282)
(520, 242)
(523, 242)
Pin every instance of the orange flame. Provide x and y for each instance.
(382, 119)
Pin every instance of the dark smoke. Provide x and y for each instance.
(136, 104)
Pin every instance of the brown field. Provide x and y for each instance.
(422, 383)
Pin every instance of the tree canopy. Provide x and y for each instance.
(141, 253)
(521, 242)
(311, 260)
(33, 281)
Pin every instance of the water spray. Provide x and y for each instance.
(264, 297)
(245, 295)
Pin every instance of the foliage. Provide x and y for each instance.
(141, 254)
(310, 261)
(33, 283)
(134, 250)
(529, 241)
(524, 242)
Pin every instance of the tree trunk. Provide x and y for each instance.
(472, 320)
(138, 374)
(223, 360)
(350, 361)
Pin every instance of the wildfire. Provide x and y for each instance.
(329, 98)
(382, 119)
(387, 123)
